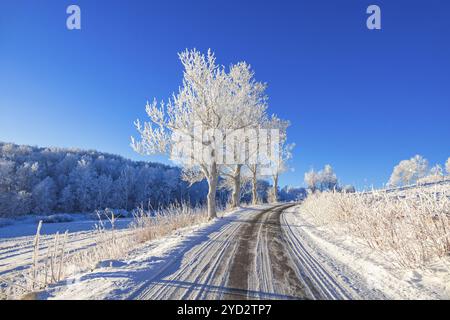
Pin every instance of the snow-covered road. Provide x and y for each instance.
(253, 253)
(243, 259)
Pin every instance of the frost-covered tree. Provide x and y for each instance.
(278, 162)
(289, 193)
(66, 201)
(409, 171)
(27, 175)
(211, 104)
(6, 175)
(323, 180)
(437, 171)
(447, 166)
(99, 185)
(312, 180)
(327, 179)
(44, 196)
(435, 174)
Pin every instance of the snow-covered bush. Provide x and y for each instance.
(412, 227)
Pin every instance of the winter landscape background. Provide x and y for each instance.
(224, 150)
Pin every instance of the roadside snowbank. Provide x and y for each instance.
(369, 265)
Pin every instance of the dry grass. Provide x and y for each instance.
(412, 227)
(149, 226)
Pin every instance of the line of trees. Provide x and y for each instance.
(56, 180)
(47, 180)
(417, 170)
(325, 180)
(222, 102)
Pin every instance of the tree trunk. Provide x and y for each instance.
(236, 196)
(275, 188)
(254, 191)
(212, 187)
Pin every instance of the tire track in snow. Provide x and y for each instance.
(251, 254)
(319, 270)
(196, 273)
(261, 265)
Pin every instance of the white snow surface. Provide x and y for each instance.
(354, 263)
(173, 256)
(193, 263)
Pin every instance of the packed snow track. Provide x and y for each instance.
(253, 256)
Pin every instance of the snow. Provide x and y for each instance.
(26, 227)
(152, 262)
(16, 239)
(195, 263)
(360, 266)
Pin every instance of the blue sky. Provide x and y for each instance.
(360, 100)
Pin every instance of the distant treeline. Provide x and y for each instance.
(49, 180)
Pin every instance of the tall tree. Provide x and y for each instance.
(193, 124)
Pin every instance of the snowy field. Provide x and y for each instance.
(195, 262)
(284, 255)
(17, 241)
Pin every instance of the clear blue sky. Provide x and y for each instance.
(360, 100)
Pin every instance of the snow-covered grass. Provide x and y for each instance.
(412, 226)
(351, 261)
(194, 254)
(51, 258)
(150, 226)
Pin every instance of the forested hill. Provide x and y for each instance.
(46, 180)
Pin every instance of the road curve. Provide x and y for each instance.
(252, 257)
